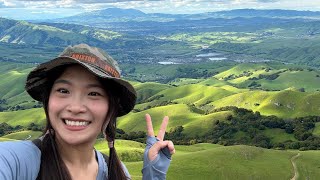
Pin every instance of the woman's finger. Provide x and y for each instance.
(154, 150)
(171, 147)
(149, 125)
(163, 128)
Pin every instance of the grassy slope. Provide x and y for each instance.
(286, 104)
(12, 82)
(278, 135)
(195, 94)
(22, 135)
(24, 117)
(308, 165)
(148, 89)
(127, 150)
(316, 130)
(6, 139)
(180, 115)
(296, 79)
(234, 162)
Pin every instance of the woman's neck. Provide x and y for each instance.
(80, 160)
(82, 154)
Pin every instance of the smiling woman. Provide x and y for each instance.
(83, 95)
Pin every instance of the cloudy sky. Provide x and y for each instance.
(42, 9)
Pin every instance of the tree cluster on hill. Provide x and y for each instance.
(252, 125)
(7, 129)
(247, 127)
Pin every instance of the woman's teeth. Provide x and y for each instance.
(76, 123)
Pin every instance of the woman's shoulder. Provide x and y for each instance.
(19, 159)
(17, 147)
(20, 150)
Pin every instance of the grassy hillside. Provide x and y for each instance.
(148, 89)
(6, 139)
(12, 83)
(285, 104)
(271, 76)
(23, 117)
(22, 32)
(179, 114)
(316, 130)
(128, 151)
(23, 135)
(235, 162)
(279, 135)
(308, 165)
(195, 94)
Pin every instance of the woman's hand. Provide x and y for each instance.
(160, 144)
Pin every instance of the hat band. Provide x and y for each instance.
(96, 61)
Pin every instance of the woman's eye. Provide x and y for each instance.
(64, 91)
(94, 94)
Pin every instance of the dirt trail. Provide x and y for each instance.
(296, 174)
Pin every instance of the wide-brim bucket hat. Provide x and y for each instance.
(96, 61)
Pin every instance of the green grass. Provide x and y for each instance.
(316, 130)
(23, 135)
(278, 135)
(136, 121)
(6, 139)
(128, 151)
(194, 94)
(148, 89)
(296, 79)
(23, 117)
(202, 124)
(185, 81)
(12, 82)
(235, 162)
(308, 165)
(284, 104)
(240, 69)
(179, 114)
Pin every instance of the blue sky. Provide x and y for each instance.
(43, 9)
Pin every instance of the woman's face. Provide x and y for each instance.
(78, 106)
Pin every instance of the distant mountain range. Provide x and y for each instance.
(59, 32)
(125, 15)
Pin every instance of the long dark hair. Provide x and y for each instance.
(52, 166)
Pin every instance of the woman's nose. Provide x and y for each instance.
(76, 105)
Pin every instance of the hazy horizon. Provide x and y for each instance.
(49, 9)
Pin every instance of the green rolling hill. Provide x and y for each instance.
(22, 32)
(286, 103)
(317, 129)
(179, 114)
(23, 117)
(235, 162)
(24, 135)
(12, 82)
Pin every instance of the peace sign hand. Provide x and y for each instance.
(159, 145)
